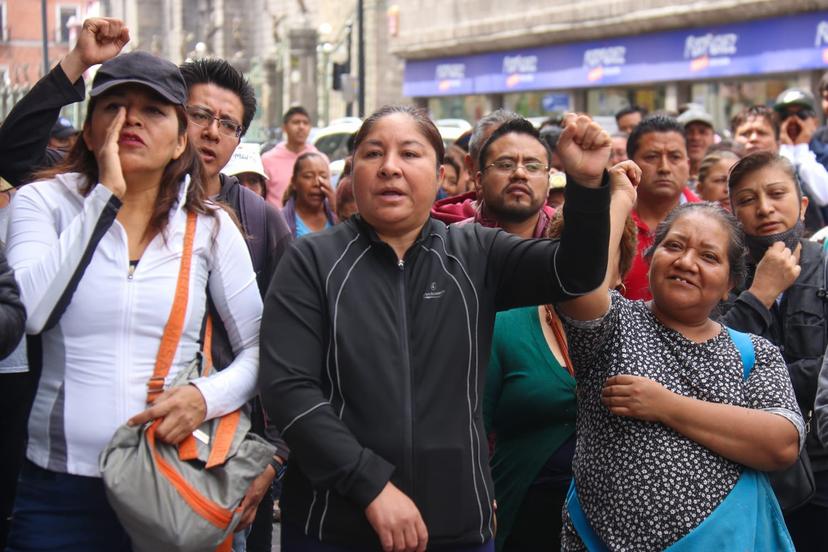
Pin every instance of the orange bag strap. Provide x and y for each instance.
(202, 505)
(175, 323)
(223, 438)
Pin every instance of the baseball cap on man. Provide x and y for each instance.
(245, 159)
(795, 96)
(695, 115)
(143, 68)
(62, 129)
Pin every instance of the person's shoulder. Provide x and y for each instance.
(61, 185)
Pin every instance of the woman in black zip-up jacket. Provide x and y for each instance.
(376, 334)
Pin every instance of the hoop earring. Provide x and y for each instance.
(622, 288)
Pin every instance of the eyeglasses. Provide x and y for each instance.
(802, 114)
(507, 166)
(204, 118)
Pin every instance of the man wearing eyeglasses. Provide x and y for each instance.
(513, 181)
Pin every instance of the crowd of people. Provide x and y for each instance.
(532, 339)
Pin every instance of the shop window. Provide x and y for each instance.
(64, 15)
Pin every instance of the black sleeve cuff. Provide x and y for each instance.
(368, 480)
(582, 199)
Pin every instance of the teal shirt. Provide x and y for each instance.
(529, 403)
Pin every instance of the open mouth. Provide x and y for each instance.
(207, 155)
(681, 281)
(128, 138)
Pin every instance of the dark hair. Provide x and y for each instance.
(628, 248)
(711, 159)
(493, 119)
(736, 250)
(653, 123)
(758, 160)
(290, 191)
(450, 160)
(756, 111)
(631, 109)
(295, 110)
(550, 135)
(81, 159)
(426, 126)
(513, 126)
(222, 74)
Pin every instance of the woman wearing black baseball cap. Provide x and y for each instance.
(97, 245)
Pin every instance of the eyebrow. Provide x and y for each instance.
(375, 142)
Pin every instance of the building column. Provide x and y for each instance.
(303, 69)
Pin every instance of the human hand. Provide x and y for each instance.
(397, 521)
(100, 39)
(330, 195)
(584, 148)
(254, 495)
(109, 163)
(624, 178)
(635, 396)
(182, 408)
(776, 272)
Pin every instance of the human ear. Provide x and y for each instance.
(803, 205)
(180, 146)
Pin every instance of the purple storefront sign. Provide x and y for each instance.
(778, 45)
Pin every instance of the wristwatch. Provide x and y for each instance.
(278, 467)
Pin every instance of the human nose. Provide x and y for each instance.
(763, 206)
(390, 166)
(132, 117)
(663, 165)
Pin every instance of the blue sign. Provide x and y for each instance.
(555, 102)
(779, 45)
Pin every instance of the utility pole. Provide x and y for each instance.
(361, 57)
(45, 30)
(349, 107)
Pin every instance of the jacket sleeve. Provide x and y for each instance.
(236, 297)
(534, 272)
(293, 345)
(12, 313)
(49, 264)
(821, 404)
(24, 135)
(279, 239)
(747, 314)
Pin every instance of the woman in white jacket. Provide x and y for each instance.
(96, 244)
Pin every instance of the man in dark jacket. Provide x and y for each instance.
(12, 313)
(221, 105)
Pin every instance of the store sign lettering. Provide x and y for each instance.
(710, 45)
(614, 55)
(520, 64)
(821, 34)
(450, 75)
(451, 71)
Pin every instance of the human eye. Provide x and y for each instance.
(710, 256)
(504, 165)
(199, 116)
(229, 125)
(411, 154)
(534, 167)
(112, 105)
(372, 154)
(671, 245)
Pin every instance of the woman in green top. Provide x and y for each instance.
(529, 405)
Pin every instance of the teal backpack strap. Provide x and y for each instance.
(745, 346)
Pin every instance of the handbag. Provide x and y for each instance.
(182, 497)
(794, 486)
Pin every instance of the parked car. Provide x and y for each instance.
(333, 139)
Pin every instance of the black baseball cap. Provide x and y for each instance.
(143, 68)
(62, 128)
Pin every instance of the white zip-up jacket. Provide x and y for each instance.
(100, 325)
